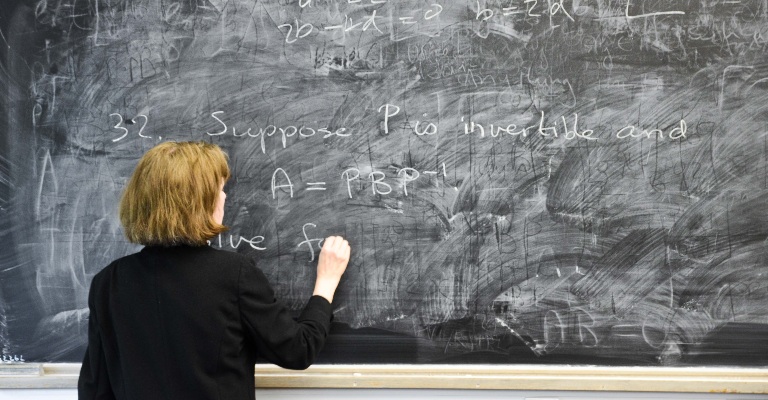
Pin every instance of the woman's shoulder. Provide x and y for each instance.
(205, 251)
(110, 268)
(180, 256)
(230, 256)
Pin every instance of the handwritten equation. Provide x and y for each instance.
(378, 19)
(354, 181)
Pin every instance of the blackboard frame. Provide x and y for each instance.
(480, 377)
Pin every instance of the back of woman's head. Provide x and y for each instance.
(171, 196)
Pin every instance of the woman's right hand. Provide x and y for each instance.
(331, 265)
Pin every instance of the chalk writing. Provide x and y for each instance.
(527, 8)
(675, 133)
(234, 242)
(569, 326)
(308, 242)
(119, 126)
(12, 359)
(301, 31)
(354, 183)
(377, 182)
(283, 132)
(543, 128)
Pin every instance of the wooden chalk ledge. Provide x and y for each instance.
(513, 377)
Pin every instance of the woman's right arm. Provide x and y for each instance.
(279, 338)
(331, 265)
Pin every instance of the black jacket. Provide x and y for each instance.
(187, 323)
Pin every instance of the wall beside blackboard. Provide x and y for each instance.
(577, 181)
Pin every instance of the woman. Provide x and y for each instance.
(179, 319)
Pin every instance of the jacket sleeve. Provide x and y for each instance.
(93, 383)
(279, 338)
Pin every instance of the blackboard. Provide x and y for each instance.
(522, 181)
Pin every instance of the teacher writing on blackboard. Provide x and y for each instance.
(180, 319)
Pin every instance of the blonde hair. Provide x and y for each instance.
(171, 196)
